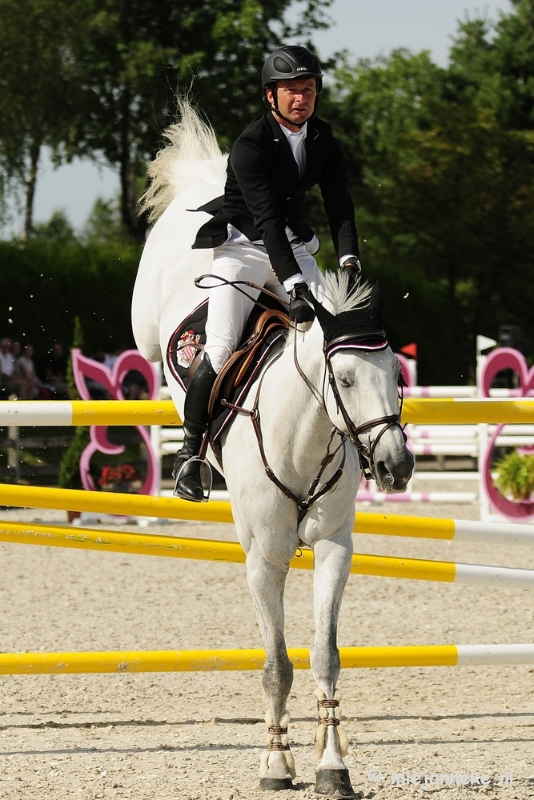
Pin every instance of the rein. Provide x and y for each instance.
(365, 453)
(312, 495)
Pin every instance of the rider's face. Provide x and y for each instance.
(296, 99)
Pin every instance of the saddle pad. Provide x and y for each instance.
(186, 345)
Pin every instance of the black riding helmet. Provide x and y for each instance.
(289, 63)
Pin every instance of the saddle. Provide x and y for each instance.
(235, 372)
(264, 333)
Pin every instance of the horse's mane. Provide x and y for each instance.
(192, 155)
(339, 297)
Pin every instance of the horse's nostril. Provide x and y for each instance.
(385, 478)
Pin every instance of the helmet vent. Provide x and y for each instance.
(281, 65)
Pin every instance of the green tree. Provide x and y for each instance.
(58, 229)
(104, 223)
(446, 199)
(36, 90)
(134, 57)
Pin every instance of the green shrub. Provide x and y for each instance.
(69, 469)
(515, 475)
(46, 284)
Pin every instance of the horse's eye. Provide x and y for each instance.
(346, 381)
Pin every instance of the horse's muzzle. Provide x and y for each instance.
(392, 474)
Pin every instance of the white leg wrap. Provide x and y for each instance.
(272, 758)
(330, 713)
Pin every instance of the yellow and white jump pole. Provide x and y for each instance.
(162, 412)
(209, 550)
(221, 511)
(226, 660)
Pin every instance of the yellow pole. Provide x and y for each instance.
(216, 660)
(449, 411)
(426, 411)
(210, 550)
(420, 411)
(399, 525)
(214, 511)
(124, 412)
(140, 505)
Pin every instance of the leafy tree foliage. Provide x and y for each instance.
(134, 57)
(99, 78)
(104, 223)
(36, 89)
(58, 229)
(446, 196)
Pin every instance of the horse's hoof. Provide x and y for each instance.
(333, 783)
(275, 784)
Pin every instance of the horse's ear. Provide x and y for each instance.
(376, 304)
(323, 315)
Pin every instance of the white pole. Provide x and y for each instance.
(483, 343)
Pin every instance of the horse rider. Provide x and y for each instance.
(258, 231)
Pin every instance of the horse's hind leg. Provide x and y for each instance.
(267, 583)
(331, 571)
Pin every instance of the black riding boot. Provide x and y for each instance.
(188, 484)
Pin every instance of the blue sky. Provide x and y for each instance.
(366, 28)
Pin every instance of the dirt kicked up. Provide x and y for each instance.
(453, 732)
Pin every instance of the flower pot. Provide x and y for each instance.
(127, 487)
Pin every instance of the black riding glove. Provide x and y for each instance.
(353, 266)
(301, 309)
(354, 270)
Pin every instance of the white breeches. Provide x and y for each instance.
(229, 309)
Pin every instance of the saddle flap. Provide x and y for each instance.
(234, 372)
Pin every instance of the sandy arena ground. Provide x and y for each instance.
(199, 735)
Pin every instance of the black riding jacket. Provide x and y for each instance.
(264, 193)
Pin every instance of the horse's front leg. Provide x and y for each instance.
(331, 571)
(267, 583)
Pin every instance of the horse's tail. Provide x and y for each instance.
(191, 155)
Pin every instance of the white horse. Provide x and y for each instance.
(343, 403)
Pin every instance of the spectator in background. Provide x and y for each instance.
(9, 384)
(30, 385)
(112, 354)
(56, 370)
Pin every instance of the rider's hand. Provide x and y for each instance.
(300, 305)
(353, 265)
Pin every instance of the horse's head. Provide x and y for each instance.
(364, 378)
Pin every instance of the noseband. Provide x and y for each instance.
(365, 452)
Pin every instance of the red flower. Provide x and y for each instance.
(123, 473)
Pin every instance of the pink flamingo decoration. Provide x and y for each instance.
(112, 379)
(506, 358)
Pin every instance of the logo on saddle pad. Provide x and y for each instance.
(187, 348)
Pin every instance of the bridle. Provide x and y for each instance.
(366, 452)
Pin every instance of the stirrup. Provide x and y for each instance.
(207, 492)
